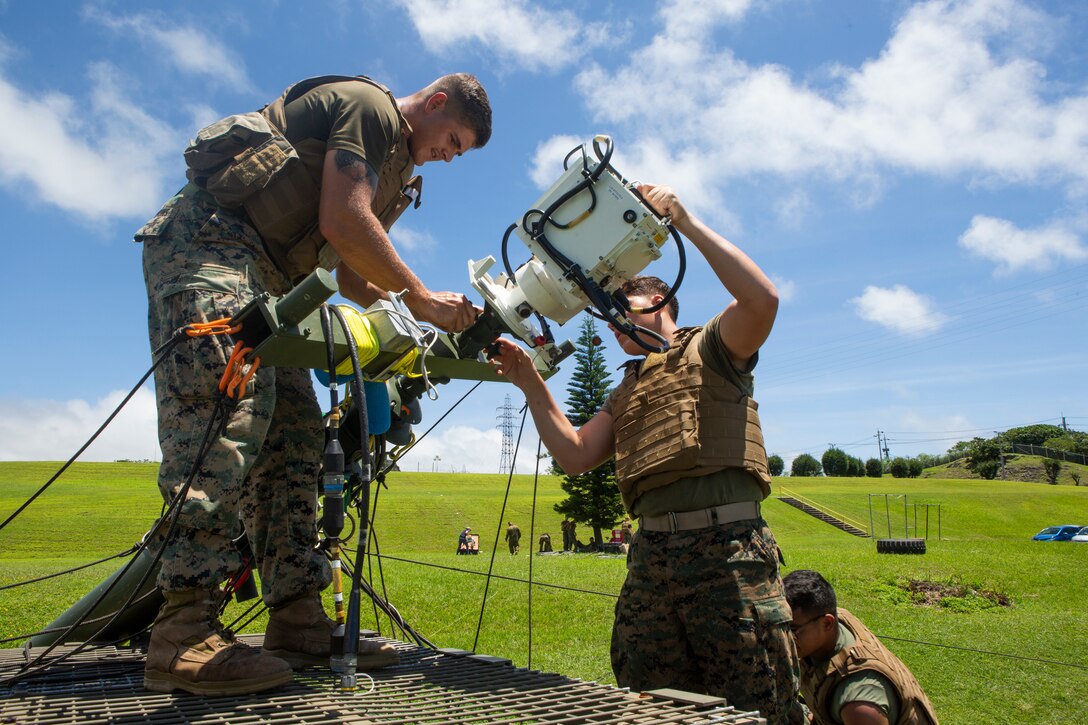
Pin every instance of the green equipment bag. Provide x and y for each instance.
(237, 157)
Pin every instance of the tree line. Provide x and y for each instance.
(593, 499)
(982, 456)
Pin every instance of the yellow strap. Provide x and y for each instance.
(366, 342)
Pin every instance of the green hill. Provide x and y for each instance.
(1005, 594)
(1018, 467)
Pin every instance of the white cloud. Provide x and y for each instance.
(97, 157)
(463, 448)
(1013, 249)
(687, 18)
(958, 89)
(412, 241)
(793, 209)
(188, 48)
(651, 162)
(547, 164)
(517, 31)
(899, 309)
(50, 430)
(787, 288)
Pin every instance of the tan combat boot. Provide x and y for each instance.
(301, 633)
(190, 651)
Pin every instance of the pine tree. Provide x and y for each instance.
(592, 497)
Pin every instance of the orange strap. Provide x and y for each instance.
(213, 327)
(236, 376)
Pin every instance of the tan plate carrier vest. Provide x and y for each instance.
(867, 653)
(676, 418)
(278, 184)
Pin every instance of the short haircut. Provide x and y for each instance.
(650, 286)
(469, 103)
(809, 592)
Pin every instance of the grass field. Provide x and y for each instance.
(99, 509)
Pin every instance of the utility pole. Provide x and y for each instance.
(506, 425)
(1002, 454)
(882, 448)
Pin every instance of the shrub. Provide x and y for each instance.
(1073, 442)
(1052, 468)
(982, 452)
(874, 468)
(834, 462)
(805, 465)
(1033, 435)
(915, 467)
(899, 467)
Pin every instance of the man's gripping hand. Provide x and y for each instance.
(449, 311)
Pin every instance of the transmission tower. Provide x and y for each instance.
(506, 425)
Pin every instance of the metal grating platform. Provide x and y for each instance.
(106, 685)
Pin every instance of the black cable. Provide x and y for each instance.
(259, 605)
(176, 506)
(505, 257)
(390, 609)
(610, 595)
(131, 550)
(95, 620)
(985, 652)
(178, 335)
(532, 541)
(502, 515)
(502, 577)
(374, 545)
(443, 417)
(682, 268)
(351, 626)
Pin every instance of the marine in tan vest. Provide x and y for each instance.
(513, 537)
(690, 464)
(847, 675)
(314, 179)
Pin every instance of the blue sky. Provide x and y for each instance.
(912, 175)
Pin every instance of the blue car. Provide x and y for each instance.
(1057, 533)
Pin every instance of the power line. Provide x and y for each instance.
(936, 436)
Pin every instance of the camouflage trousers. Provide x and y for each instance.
(259, 475)
(704, 611)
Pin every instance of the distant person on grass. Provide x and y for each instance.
(570, 534)
(847, 675)
(513, 537)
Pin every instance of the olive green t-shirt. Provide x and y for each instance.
(347, 115)
(730, 485)
(866, 686)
